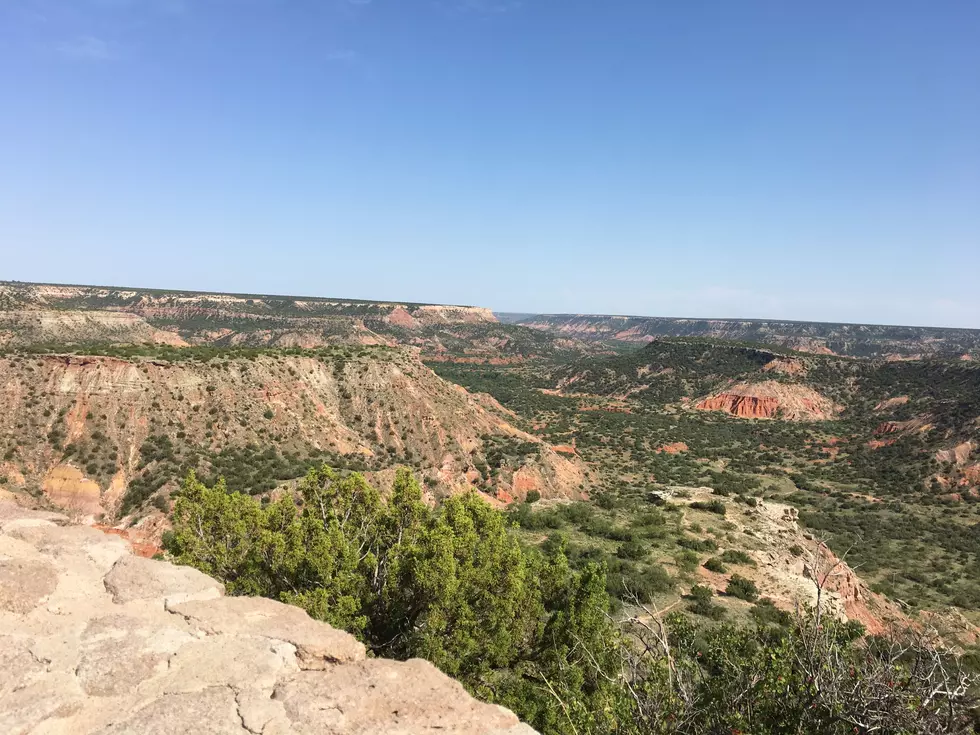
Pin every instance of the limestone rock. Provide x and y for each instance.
(72, 542)
(55, 696)
(25, 584)
(135, 578)
(95, 641)
(120, 652)
(212, 711)
(17, 666)
(403, 698)
(12, 514)
(317, 645)
(241, 662)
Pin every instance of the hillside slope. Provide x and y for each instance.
(102, 434)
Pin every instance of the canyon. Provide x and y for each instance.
(84, 429)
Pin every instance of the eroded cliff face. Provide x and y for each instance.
(77, 427)
(97, 641)
(771, 399)
(959, 472)
(749, 407)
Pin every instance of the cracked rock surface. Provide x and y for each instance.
(96, 641)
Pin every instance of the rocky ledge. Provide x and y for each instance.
(96, 640)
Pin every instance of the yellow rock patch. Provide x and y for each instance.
(68, 488)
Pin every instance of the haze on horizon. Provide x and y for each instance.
(749, 160)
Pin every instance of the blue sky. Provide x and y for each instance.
(722, 159)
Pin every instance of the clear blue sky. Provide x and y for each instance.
(807, 160)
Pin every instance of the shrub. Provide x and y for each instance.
(765, 612)
(735, 556)
(632, 550)
(711, 506)
(742, 588)
(701, 604)
(714, 564)
(687, 561)
(696, 544)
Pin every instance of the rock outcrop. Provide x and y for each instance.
(748, 407)
(770, 399)
(96, 641)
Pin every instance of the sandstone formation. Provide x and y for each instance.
(785, 366)
(917, 424)
(770, 399)
(958, 455)
(96, 641)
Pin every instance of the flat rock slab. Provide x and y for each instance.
(317, 645)
(135, 578)
(380, 697)
(76, 543)
(25, 584)
(17, 666)
(241, 662)
(12, 514)
(213, 711)
(118, 653)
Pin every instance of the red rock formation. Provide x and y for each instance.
(147, 551)
(675, 448)
(749, 407)
(400, 317)
(766, 399)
